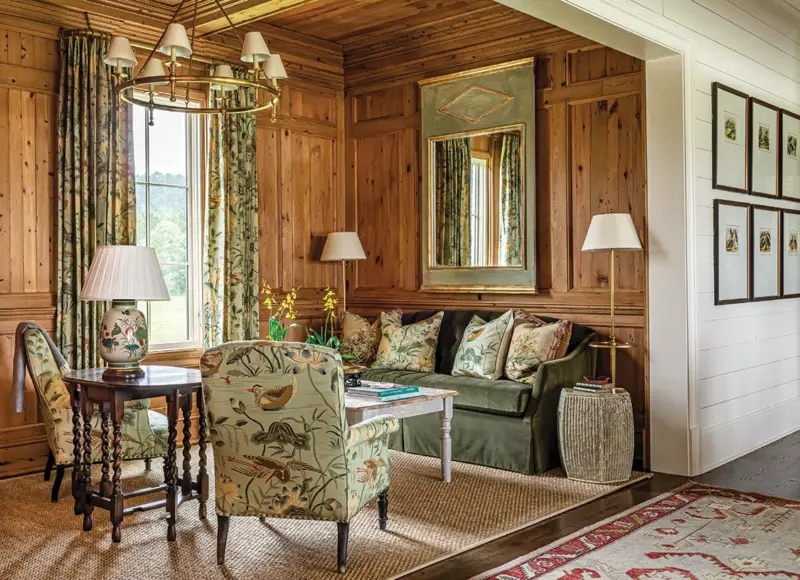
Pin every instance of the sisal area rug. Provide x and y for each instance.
(427, 520)
(695, 533)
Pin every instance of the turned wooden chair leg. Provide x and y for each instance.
(57, 483)
(383, 508)
(344, 533)
(148, 464)
(223, 523)
(48, 468)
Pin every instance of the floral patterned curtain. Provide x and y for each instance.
(510, 201)
(231, 235)
(453, 235)
(96, 191)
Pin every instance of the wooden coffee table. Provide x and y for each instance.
(360, 408)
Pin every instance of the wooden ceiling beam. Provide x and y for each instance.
(211, 21)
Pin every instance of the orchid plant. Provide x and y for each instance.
(278, 328)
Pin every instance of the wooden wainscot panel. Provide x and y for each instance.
(314, 106)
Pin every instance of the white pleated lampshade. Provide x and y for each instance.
(254, 47)
(223, 70)
(125, 273)
(274, 68)
(611, 231)
(342, 246)
(176, 37)
(120, 52)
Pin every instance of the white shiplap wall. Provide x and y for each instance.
(744, 387)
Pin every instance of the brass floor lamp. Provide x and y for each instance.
(612, 232)
(342, 247)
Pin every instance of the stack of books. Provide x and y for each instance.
(385, 392)
(588, 387)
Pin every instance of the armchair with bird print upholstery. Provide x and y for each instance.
(282, 446)
(144, 432)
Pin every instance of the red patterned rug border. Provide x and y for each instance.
(619, 526)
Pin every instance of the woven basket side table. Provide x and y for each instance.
(595, 435)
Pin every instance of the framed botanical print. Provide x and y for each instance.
(764, 119)
(790, 253)
(731, 252)
(789, 156)
(729, 142)
(765, 251)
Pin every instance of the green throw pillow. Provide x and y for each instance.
(483, 348)
(408, 348)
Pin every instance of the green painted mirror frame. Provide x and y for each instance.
(480, 102)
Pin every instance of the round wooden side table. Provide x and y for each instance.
(88, 388)
(595, 435)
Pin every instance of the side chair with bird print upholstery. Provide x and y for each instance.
(282, 445)
(144, 432)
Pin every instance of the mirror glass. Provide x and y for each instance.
(477, 200)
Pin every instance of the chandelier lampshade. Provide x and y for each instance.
(254, 48)
(223, 71)
(274, 68)
(120, 53)
(175, 38)
(260, 83)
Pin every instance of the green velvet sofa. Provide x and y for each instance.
(502, 423)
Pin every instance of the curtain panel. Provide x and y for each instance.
(96, 190)
(510, 201)
(453, 234)
(230, 272)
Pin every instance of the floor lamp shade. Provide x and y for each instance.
(341, 247)
(124, 274)
(611, 231)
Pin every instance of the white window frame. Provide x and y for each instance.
(194, 232)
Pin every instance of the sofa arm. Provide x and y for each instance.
(542, 411)
(372, 429)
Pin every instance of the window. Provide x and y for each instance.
(167, 218)
(479, 224)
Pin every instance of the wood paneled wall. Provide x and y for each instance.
(590, 159)
(299, 172)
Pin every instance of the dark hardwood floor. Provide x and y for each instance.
(772, 470)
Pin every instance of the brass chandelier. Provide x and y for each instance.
(261, 80)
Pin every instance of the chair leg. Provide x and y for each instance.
(48, 468)
(223, 523)
(57, 483)
(262, 519)
(344, 534)
(148, 464)
(383, 508)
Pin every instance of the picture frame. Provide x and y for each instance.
(790, 253)
(765, 253)
(763, 160)
(732, 233)
(730, 117)
(789, 156)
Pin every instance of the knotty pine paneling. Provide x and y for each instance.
(589, 159)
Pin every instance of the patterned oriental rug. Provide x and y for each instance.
(694, 533)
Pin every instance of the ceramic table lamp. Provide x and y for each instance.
(124, 274)
(612, 232)
(341, 247)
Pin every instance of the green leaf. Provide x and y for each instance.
(220, 421)
(241, 422)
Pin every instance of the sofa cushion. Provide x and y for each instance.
(532, 345)
(499, 397)
(484, 347)
(411, 347)
(360, 338)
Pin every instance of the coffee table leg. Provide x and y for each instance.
(118, 414)
(447, 443)
(87, 409)
(202, 476)
(173, 405)
(186, 481)
(77, 468)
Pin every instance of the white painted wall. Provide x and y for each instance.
(742, 387)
